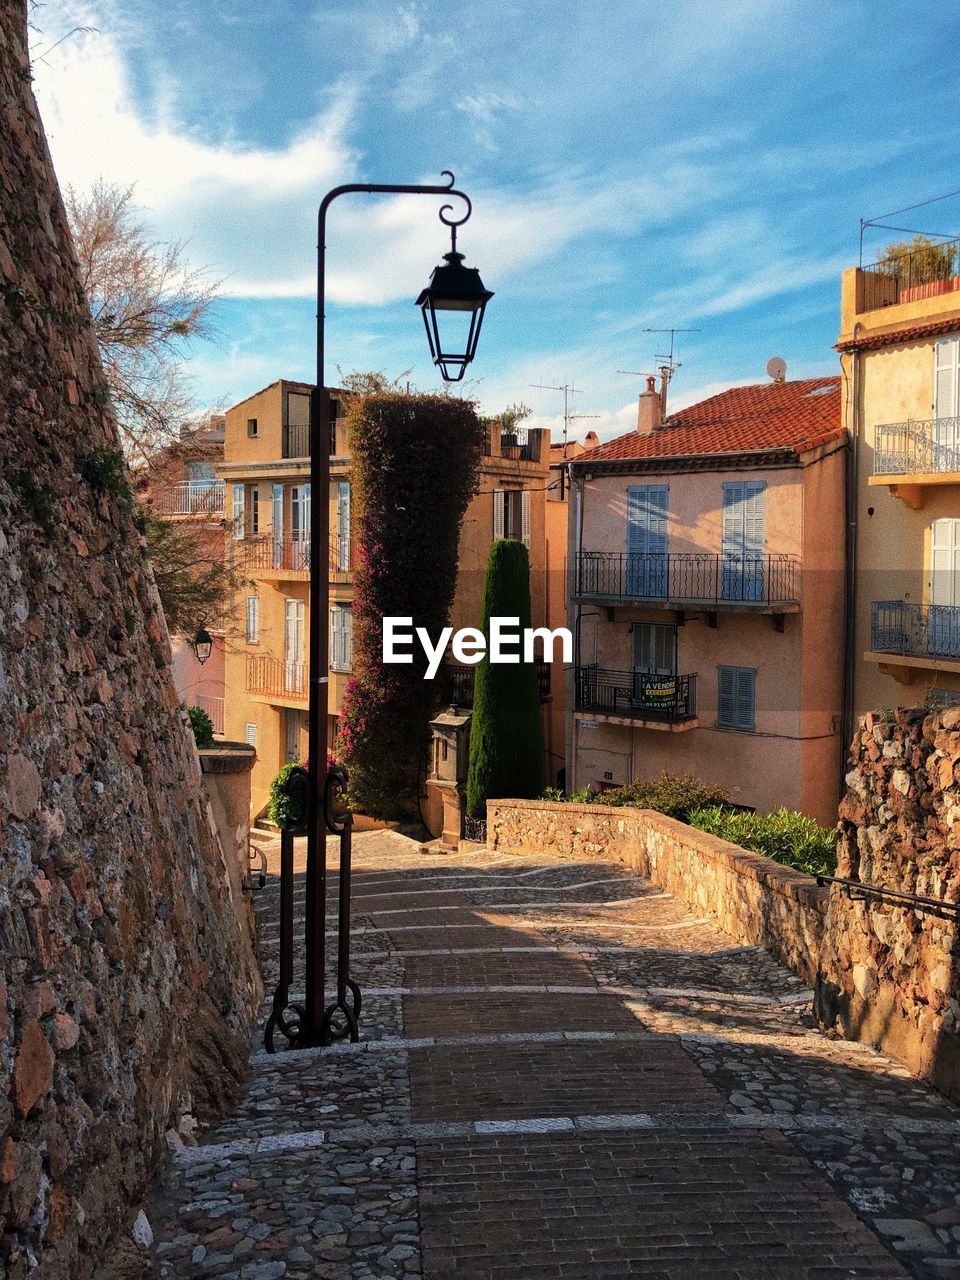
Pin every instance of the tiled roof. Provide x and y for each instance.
(773, 415)
(905, 333)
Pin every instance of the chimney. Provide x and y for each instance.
(649, 409)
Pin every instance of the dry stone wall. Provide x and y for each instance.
(890, 973)
(127, 980)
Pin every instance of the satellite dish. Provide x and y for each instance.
(777, 369)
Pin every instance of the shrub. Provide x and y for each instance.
(415, 464)
(676, 797)
(284, 807)
(202, 726)
(583, 796)
(506, 736)
(786, 836)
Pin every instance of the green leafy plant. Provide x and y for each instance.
(285, 807)
(416, 459)
(920, 259)
(506, 735)
(786, 836)
(677, 797)
(583, 796)
(106, 471)
(202, 726)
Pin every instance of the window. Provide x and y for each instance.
(654, 649)
(511, 514)
(341, 638)
(238, 513)
(343, 525)
(200, 472)
(253, 619)
(647, 560)
(252, 428)
(744, 519)
(250, 737)
(736, 698)
(254, 510)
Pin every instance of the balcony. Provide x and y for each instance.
(296, 440)
(920, 636)
(632, 697)
(925, 273)
(760, 584)
(190, 498)
(287, 557)
(276, 678)
(457, 683)
(520, 444)
(213, 706)
(909, 456)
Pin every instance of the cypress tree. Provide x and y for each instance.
(506, 736)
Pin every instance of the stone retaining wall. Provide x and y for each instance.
(756, 901)
(127, 977)
(890, 973)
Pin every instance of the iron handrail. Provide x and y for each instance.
(917, 447)
(917, 901)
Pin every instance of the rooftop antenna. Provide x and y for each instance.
(568, 390)
(668, 365)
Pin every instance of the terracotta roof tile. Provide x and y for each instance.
(773, 415)
(905, 333)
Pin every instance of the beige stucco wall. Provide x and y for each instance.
(895, 383)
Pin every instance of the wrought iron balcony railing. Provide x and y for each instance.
(917, 448)
(925, 273)
(276, 677)
(296, 440)
(190, 498)
(518, 442)
(696, 578)
(636, 695)
(922, 630)
(213, 706)
(457, 683)
(263, 553)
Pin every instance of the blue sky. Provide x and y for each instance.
(697, 163)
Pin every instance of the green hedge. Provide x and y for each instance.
(785, 836)
(676, 797)
(202, 726)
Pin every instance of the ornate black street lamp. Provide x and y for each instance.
(203, 645)
(452, 288)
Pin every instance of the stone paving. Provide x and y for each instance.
(562, 1073)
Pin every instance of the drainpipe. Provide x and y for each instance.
(852, 471)
(576, 488)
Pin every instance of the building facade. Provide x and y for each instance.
(706, 584)
(266, 472)
(180, 485)
(900, 350)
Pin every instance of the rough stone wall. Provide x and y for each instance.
(890, 974)
(756, 901)
(120, 954)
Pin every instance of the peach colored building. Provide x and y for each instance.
(180, 485)
(266, 470)
(706, 559)
(900, 348)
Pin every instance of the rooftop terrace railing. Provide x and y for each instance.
(925, 273)
(917, 447)
(696, 578)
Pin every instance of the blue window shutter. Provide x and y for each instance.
(746, 697)
(726, 695)
(647, 539)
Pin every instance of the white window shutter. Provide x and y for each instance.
(348, 639)
(946, 357)
(525, 518)
(253, 619)
(238, 529)
(499, 497)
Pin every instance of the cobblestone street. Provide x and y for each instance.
(562, 1073)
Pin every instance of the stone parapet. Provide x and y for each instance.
(756, 901)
